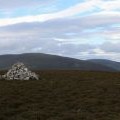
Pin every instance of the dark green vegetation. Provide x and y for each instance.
(39, 61)
(109, 63)
(62, 95)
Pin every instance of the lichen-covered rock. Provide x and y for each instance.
(20, 72)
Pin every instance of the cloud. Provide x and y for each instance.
(68, 28)
(107, 5)
(111, 47)
(63, 37)
(110, 5)
(41, 18)
(71, 11)
(95, 35)
(11, 4)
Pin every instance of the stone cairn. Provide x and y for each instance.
(19, 72)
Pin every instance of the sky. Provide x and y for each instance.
(82, 29)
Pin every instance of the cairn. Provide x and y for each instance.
(19, 72)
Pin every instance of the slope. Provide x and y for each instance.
(109, 63)
(39, 61)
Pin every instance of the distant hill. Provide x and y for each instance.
(109, 63)
(39, 61)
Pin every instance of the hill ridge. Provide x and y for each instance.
(41, 61)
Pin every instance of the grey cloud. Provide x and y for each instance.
(67, 25)
(111, 47)
(72, 49)
(40, 37)
(26, 44)
(11, 4)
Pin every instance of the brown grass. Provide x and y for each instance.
(62, 95)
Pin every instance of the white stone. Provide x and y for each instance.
(20, 72)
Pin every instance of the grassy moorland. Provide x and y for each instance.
(62, 95)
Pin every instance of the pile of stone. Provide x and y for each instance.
(20, 72)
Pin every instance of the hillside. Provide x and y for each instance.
(109, 63)
(62, 95)
(39, 61)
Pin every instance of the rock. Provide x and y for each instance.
(20, 72)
